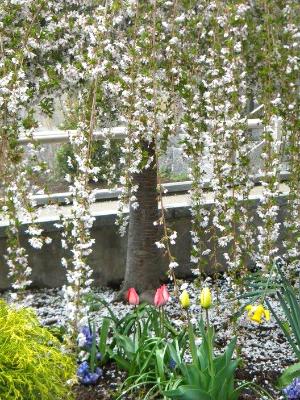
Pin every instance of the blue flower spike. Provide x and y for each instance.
(292, 391)
(87, 377)
(172, 364)
(86, 333)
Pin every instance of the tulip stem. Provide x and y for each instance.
(138, 322)
(192, 340)
(210, 338)
(135, 325)
(207, 317)
(188, 315)
(160, 320)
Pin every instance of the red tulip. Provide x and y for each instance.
(132, 297)
(165, 292)
(161, 296)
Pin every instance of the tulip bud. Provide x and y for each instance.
(133, 297)
(185, 299)
(158, 298)
(161, 296)
(165, 292)
(205, 298)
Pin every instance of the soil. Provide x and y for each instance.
(107, 387)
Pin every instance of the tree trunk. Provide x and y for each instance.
(142, 269)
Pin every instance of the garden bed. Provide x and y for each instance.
(263, 348)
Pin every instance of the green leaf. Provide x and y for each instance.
(187, 392)
(160, 354)
(112, 314)
(289, 375)
(93, 349)
(295, 311)
(120, 360)
(174, 351)
(103, 336)
(193, 347)
(284, 330)
(223, 378)
(147, 350)
(126, 344)
(195, 376)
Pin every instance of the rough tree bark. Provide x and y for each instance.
(142, 267)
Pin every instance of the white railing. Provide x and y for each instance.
(118, 132)
(48, 136)
(60, 136)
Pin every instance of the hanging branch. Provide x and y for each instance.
(194, 126)
(77, 227)
(290, 109)
(129, 70)
(237, 181)
(76, 236)
(162, 130)
(267, 65)
(225, 101)
(19, 170)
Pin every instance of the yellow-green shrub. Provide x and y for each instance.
(32, 366)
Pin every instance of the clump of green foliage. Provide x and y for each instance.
(107, 160)
(99, 158)
(32, 365)
(167, 175)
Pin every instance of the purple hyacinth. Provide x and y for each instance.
(87, 336)
(292, 391)
(172, 364)
(83, 369)
(87, 377)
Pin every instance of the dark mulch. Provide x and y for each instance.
(106, 389)
(91, 393)
(262, 379)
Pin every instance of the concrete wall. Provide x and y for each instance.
(109, 255)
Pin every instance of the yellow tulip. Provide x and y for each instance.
(205, 298)
(257, 313)
(185, 299)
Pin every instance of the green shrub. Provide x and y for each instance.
(32, 366)
(100, 159)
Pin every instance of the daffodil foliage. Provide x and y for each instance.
(161, 68)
